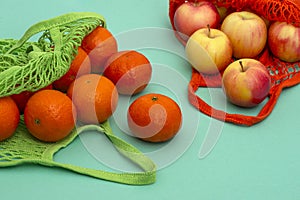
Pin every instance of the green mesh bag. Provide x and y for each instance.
(31, 65)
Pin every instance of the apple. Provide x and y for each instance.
(284, 41)
(246, 82)
(247, 33)
(209, 50)
(191, 16)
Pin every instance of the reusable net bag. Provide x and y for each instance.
(30, 66)
(283, 74)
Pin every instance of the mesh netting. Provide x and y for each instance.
(283, 74)
(30, 66)
(22, 148)
(274, 10)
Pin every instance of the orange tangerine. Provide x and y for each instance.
(9, 117)
(130, 71)
(22, 98)
(80, 65)
(100, 44)
(50, 115)
(154, 118)
(95, 98)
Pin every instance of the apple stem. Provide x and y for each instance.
(241, 63)
(208, 27)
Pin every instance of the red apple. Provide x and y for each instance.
(209, 50)
(191, 16)
(284, 41)
(246, 82)
(247, 33)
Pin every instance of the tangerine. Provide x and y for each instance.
(154, 118)
(130, 71)
(95, 98)
(50, 115)
(22, 98)
(80, 65)
(9, 117)
(100, 44)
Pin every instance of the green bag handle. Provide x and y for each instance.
(129, 151)
(22, 148)
(54, 23)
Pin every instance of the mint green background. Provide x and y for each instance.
(259, 162)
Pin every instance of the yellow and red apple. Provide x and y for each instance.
(247, 33)
(246, 82)
(209, 50)
(191, 16)
(284, 41)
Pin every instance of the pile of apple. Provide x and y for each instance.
(219, 41)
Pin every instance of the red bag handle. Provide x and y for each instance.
(196, 82)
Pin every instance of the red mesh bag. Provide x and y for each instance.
(283, 74)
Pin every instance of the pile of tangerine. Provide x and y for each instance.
(88, 93)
